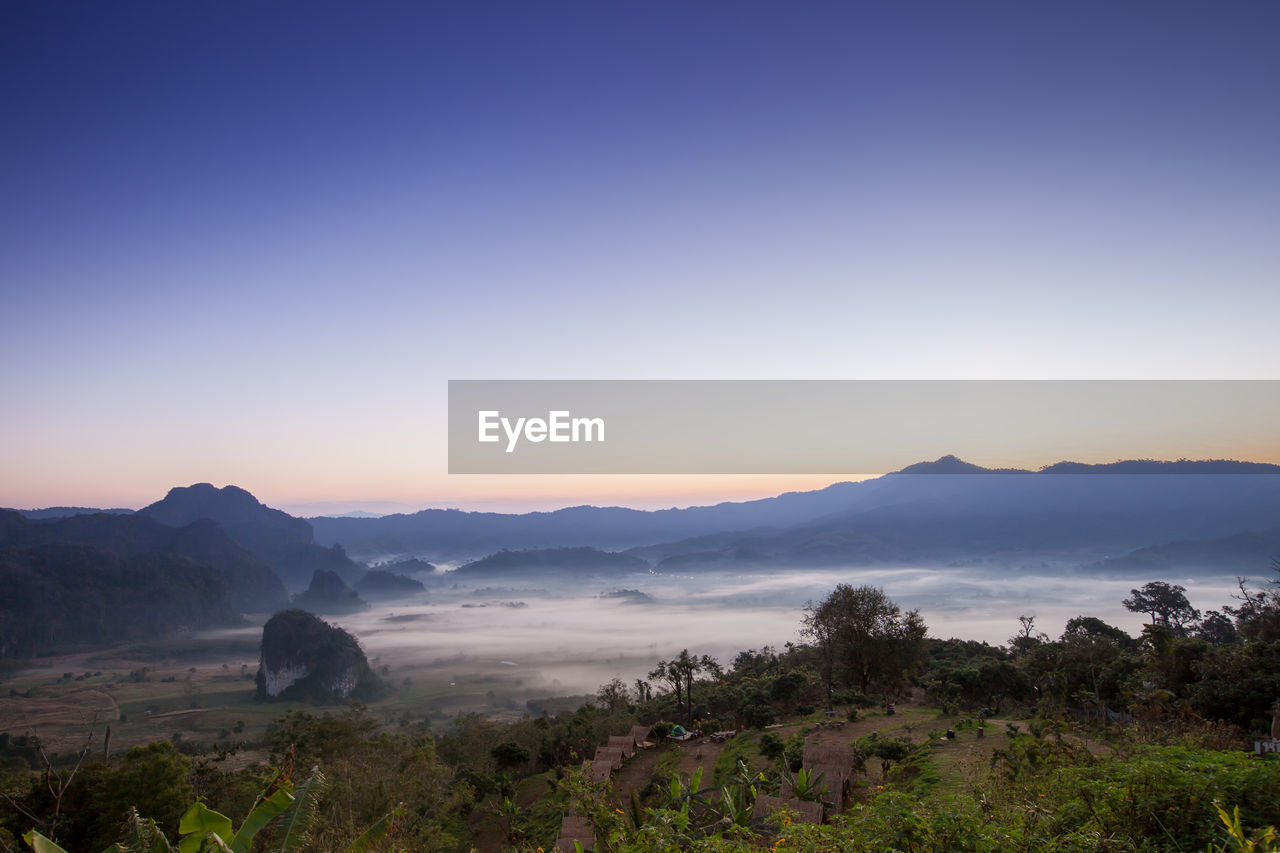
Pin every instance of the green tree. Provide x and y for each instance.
(1217, 629)
(1027, 637)
(1258, 616)
(861, 630)
(680, 672)
(1166, 604)
(509, 754)
(613, 696)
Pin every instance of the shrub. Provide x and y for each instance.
(1167, 793)
(757, 715)
(771, 746)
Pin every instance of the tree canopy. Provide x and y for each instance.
(866, 637)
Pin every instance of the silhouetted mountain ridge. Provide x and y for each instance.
(1247, 553)
(926, 513)
(381, 585)
(251, 584)
(59, 595)
(564, 562)
(64, 511)
(285, 543)
(327, 593)
(945, 509)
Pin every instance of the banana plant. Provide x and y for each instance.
(738, 799)
(736, 805)
(203, 830)
(686, 805)
(807, 785)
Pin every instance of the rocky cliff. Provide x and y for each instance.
(328, 594)
(306, 659)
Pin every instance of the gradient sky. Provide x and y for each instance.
(248, 242)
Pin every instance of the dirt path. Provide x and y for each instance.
(910, 721)
(636, 770)
(699, 754)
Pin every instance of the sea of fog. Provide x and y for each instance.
(570, 638)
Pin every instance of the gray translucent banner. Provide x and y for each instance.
(846, 427)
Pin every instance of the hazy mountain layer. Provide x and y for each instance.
(942, 510)
(1246, 554)
(561, 562)
(1067, 509)
(285, 543)
(252, 586)
(58, 596)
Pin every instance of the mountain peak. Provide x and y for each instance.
(207, 492)
(948, 464)
(250, 522)
(1162, 466)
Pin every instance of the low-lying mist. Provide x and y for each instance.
(542, 636)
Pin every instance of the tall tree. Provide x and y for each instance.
(1166, 604)
(665, 671)
(1027, 637)
(680, 672)
(613, 696)
(862, 631)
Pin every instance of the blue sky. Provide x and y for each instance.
(250, 242)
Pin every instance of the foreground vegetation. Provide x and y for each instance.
(1093, 741)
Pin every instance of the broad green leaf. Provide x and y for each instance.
(297, 819)
(40, 844)
(198, 822)
(276, 804)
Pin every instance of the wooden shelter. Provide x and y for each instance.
(838, 756)
(836, 779)
(805, 811)
(626, 743)
(611, 754)
(575, 828)
(642, 736)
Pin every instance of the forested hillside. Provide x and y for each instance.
(869, 735)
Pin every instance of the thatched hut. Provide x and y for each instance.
(575, 828)
(805, 811)
(599, 770)
(611, 754)
(626, 743)
(643, 736)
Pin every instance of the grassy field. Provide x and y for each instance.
(202, 691)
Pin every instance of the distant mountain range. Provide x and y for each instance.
(285, 543)
(560, 562)
(1076, 513)
(194, 560)
(947, 510)
(64, 511)
(1244, 554)
(450, 535)
(203, 554)
(59, 596)
(251, 584)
